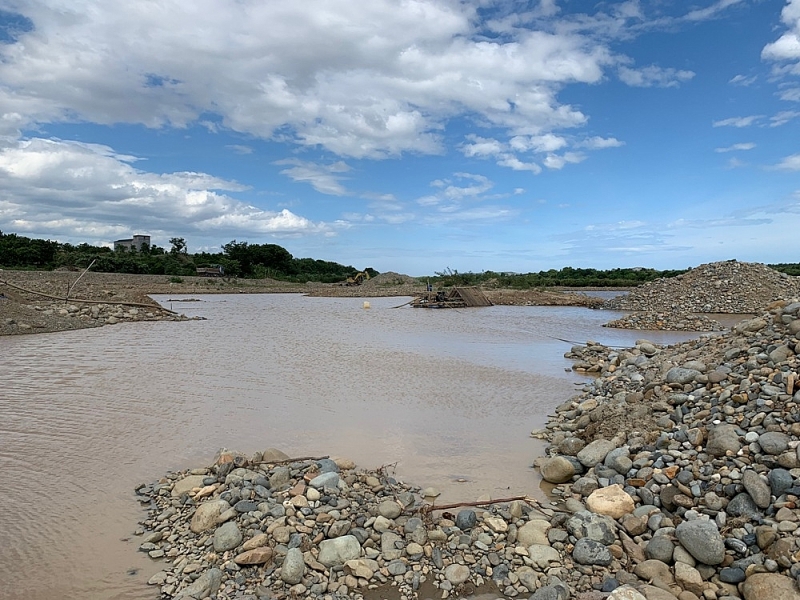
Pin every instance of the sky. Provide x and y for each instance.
(409, 135)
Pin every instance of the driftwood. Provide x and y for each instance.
(122, 303)
(431, 507)
(289, 460)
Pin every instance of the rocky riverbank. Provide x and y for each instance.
(666, 321)
(690, 457)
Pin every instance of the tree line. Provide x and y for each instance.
(238, 259)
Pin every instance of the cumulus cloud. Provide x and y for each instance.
(364, 81)
(598, 143)
(89, 192)
(654, 76)
(786, 49)
(736, 147)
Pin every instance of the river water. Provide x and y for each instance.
(449, 395)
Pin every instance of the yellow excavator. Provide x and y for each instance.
(357, 279)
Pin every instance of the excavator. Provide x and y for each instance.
(357, 279)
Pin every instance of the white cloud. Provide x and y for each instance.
(743, 80)
(783, 117)
(790, 163)
(239, 148)
(326, 179)
(703, 14)
(599, 143)
(365, 81)
(537, 143)
(786, 49)
(654, 76)
(736, 147)
(554, 161)
(90, 193)
(737, 121)
(790, 94)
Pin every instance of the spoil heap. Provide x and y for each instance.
(722, 287)
(683, 463)
(672, 321)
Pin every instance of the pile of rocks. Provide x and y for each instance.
(58, 316)
(271, 527)
(721, 287)
(670, 321)
(690, 455)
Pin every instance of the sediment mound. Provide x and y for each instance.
(721, 287)
(671, 321)
(390, 279)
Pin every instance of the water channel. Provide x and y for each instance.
(450, 396)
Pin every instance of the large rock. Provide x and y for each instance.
(557, 470)
(227, 536)
(757, 488)
(769, 586)
(256, 556)
(337, 551)
(533, 532)
(742, 505)
(681, 375)
(542, 556)
(625, 592)
(723, 439)
(702, 540)
(293, 567)
(456, 574)
(325, 480)
(207, 514)
(187, 484)
(612, 501)
(773, 442)
(204, 586)
(595, 453)
(589, 552)
(599, 528)
(388, 509)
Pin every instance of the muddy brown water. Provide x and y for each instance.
(450, 396)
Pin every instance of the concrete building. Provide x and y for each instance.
(136, 242)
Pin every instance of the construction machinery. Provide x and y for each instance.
(357, 279)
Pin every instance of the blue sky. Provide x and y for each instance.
(409, 135)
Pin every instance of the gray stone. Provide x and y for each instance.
(206, 515)
(757, 488)
(396, 567)
(780, 480)
(337, 551)
(625, 592)
(293, 567)
(681, 375)
(388, 508)
(456, 574)
(660, 547)
(773, 442)
(533, 532)
(389, 541)
(589, 552)
(557, 469)
(599, 528)
(227, 536)
(551, 592)
(466, 519)
(731, 575)
(542, 555)
(619, 460)
(595, 453)
(723, 439)
(187, 484)
(326, 465)
(702, 539)
(280, 478)
(325, 480)
(742, 505)
(571, 446)
(204, 586)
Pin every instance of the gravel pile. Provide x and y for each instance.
(669, 321)
(684, 463)
(721, 287)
